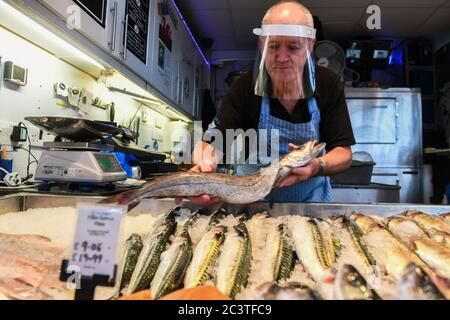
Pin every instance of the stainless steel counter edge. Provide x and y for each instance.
(24, 201)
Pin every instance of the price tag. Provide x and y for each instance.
(96, 238)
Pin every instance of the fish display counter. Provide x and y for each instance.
(258, 251)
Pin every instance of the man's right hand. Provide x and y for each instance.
(204, 200)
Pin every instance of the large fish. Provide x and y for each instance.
(351, 285)
(205, 256)
(415, 284)
(234, 262)
(129, 257)
(310, 243)
(228, 188)
(150, 256)
(174, 263)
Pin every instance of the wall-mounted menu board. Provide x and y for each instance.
(137, 31)
(94, 8)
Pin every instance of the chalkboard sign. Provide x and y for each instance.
(137, 29)
(94, 8)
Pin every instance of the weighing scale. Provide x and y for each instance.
(83, 152)
(79, 166)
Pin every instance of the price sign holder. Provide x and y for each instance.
(95, 248)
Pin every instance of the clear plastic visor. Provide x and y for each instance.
(284, 66)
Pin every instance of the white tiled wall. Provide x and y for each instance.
(37, 98)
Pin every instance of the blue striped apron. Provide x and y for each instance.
(316, 189)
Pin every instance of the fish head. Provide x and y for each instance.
(282, 227)
(135, 238)
(182, 238)
(416, 284)
(241, 230)
(339, 220)
(351, 285)
(169, 223)
(267, 291)
(219, 231)
(413, 214)
(365, 223)
(302, 155)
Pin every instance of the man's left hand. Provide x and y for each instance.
(300, 174)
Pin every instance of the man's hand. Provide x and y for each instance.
(204, 200)
(300, 174)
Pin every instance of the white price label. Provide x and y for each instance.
(96, 238)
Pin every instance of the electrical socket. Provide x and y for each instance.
(5, 136)
(34, 137)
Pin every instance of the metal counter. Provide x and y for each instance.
(24, 201)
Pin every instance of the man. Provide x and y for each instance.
(291, 95)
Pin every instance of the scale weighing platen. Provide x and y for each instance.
(79, 166)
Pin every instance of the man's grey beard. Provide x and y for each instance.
(288, 89)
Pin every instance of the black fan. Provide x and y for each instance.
(330, 55)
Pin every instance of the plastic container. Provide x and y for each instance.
(360, 173)
(7, 165)
(447, 194)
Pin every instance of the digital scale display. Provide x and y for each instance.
(108, 163)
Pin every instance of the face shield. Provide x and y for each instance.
(284, 67)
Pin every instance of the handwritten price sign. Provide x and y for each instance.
(96, 238)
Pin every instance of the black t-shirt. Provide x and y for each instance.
(241, 109)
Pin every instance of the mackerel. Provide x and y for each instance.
(150, 256)
(173, 266)
(129, 257)
(205, 256)
(234, 262)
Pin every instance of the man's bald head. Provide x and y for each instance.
(289, 12)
